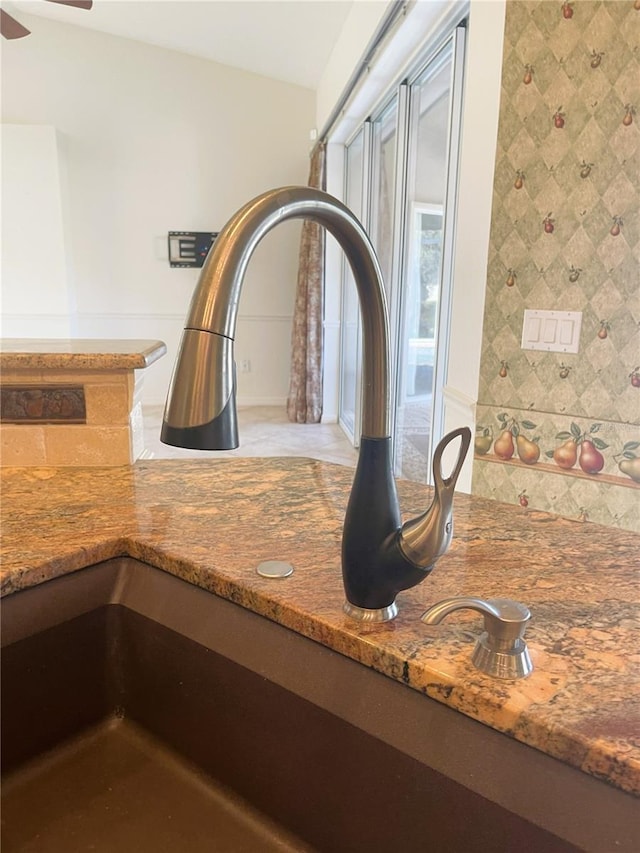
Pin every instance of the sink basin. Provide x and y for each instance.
(142, 713)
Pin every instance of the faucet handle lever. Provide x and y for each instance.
(427, 537)
(500, 650)
(464, 433)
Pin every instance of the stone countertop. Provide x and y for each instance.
(211, 522)
(78, 353)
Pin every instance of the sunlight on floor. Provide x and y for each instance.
(264, 431)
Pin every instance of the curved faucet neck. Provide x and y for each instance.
(380, 557)
(215, 302)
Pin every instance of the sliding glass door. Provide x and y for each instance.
(406, 158)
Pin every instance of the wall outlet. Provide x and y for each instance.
(245, 365)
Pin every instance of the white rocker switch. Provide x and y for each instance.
(552, 331)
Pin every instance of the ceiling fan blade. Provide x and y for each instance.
(10, 28)
(79, 4)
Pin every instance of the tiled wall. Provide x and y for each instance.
(565, 235)
(102, 427)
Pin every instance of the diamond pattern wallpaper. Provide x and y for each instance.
(558, 431)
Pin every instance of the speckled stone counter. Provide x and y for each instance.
(73, 402)
(78, 353)
(212, 522)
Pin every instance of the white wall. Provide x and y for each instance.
(36, 281)
(157, 141)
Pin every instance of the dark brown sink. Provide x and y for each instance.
(140, 713)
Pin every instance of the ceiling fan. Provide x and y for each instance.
(12, 29)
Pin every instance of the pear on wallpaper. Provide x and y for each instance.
(566, 455)
(504, 448)
(564, 370)
(528, 451)
(574, 273)
(631, 467)
(616, 227)
(483, 441)
(630, 463)
(591, 460)
(585, 169)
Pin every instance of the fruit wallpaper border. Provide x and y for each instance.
(557, 431)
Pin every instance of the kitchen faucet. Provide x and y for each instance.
(380, 556)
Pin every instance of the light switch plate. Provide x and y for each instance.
(552, 331)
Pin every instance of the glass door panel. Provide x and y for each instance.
(428, 159)
(350, 335)
(384, 136)
(382, 219)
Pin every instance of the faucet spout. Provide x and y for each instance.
(379, 557)
(202, 390)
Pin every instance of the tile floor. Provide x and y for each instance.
(264, 431)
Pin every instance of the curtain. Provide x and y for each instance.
(304, 403)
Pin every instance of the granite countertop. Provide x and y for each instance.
(212, 521)
(78, 353)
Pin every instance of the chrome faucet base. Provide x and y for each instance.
(508, 663)
(365, 614)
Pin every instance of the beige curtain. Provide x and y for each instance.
(304, 403)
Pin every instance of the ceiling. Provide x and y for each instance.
(288, 40)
